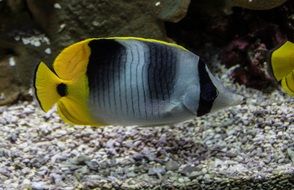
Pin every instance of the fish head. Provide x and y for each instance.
(225, 97)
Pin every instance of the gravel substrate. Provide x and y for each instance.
(250, 146)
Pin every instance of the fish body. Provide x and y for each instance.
(282, 66)
(129, 81)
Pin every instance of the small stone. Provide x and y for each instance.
(13, 137)
(57, 6)
(156, 171)
(110, 143)
(187, 169)
(48, 51)
(195, 174)
(93, 180)
(11, 61)
(37, 43)
(80, 160)
(137, 156)
(172, 165)
(79, 173)
(56, 178)
(5, 172)
(149, 154)
(26, 184)
(129, 143)
(93, 165)
(39, 185)
(131, 174)
(61, 27)
(96, 23)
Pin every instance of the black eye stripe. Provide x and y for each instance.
(208, 92)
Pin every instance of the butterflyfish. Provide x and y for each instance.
(129, 81)
(282, 66)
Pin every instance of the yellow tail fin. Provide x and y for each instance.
(45, 84)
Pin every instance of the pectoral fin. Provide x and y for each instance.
(191, 99)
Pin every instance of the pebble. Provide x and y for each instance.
(93, 165)
(39, 185)
(56, 178)
(187, 169)
(156, 171)
(5, 172)
(57, 6)
(11, 61)
(48, 51)
(172, 165)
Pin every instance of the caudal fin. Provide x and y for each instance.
(45, 84)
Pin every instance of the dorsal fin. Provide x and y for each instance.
(72, 62)
(147, 40)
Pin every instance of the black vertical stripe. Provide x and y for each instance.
(138, 61)
(119, 63)
(131, 80)
(208, 92)
(114, 79)
(125, 82)
(168, 71)
(100, 70)
(155, 78)
(146, 61)
(96, 95)
(150, 77)
(173, 70)
(161, 70)
(103, 75)
(108, 82)
(164, 77)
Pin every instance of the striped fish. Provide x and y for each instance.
(129, 81)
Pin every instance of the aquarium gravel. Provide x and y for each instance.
(247, 146)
